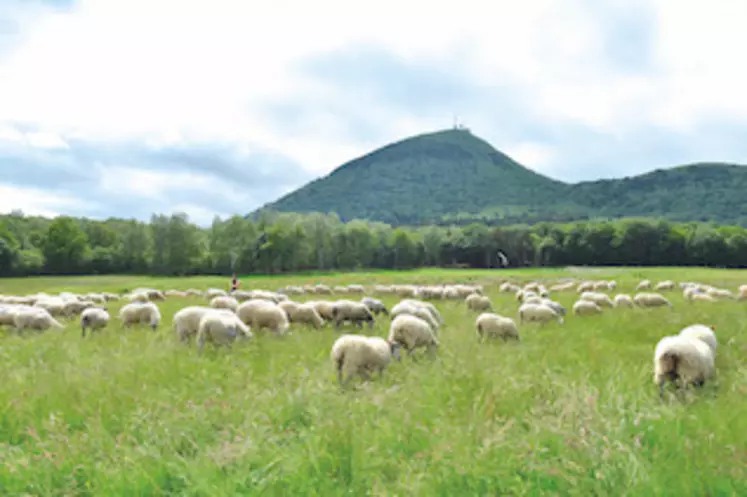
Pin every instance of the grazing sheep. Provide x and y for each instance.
(623, 300)
(324, 308)
(554, 305)
(428, 307)
(355, 312)
(221, 328)
(361, 355)
(303, 314)
(224, 302)
(538, 313)
(34, 318)
(600, 299)
(742, 293)
(479, 303)
(683, 358)
(647, 299)
(721, 293)
(665, 285)
(701, 297)
(140, 313)
(409, 308)
(376, 306)
(492, 325)
(586, 308)
(259, 314)
(186, 322)
(211, 293)
(643, 285)
(94, 318)
(359, 289)
(703, 333)
(412, 333)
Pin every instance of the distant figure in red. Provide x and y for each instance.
(234, 284)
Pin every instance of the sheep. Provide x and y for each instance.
(35, 318)
(586, 308)
(359, 289)
(303, 313)
(507, 287)
(683, 358)
(259, 314)
(55, 306)
(703, 333)
(73, 307)
(324, 308)
(491, 325)
(376, 306)
(479, 303)
(623, 300)
(211, 293)
(140, 312)
(643, 285)
(601, 299)
(665, 285)
(186, 322)
(428, 307)
(538, 312)
(412, 333)
(360, 355)
(554, 306)
(701, 297)
(647, 299)
(95, 318)
(224, 302)
(412, 309)
(221, 328)
(355, 312)
(742, 293)
(721, 293)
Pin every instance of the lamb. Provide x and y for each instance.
(35, 318)
(304, 314)
(412, 333)
(224, 302)
(683, 358)
(221, 328)
(479, 303)
(376, 306)
(139, 313)
(360, 355)
(539, 313)
(492, 325)
(186, 322)
(703, 333)
(259, 314)
(95, 318)
(355, 312)
(586, 308)
(647, 299)
(623, 300)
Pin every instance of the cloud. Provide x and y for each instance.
(134, 106)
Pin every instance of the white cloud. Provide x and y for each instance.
(173, 73)
(37, 202)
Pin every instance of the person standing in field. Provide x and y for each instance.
(234, 283)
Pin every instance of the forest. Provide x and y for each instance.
(285, 242)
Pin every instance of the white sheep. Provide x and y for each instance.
(687, 359)
(324, 308)
(643, 285)
(623, 300)
(742, 293)
(586, 308)
(361, 355)
(427, 306)
(557, 307)
(478, 303)
(491, 325)
(259, 314)
(410, 308)
(412, 333)
(355, 312)
(95, 318)
(221, 328)
(665, 285)
(224, 302)
(304, 314)
(186, 322)
(647, 299)
(140, 313)
(538, 313)
(34, 318)
(601, 299)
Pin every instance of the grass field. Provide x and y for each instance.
(570, 410)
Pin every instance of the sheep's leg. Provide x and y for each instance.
(83, 332)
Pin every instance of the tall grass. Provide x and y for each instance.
(570, 410)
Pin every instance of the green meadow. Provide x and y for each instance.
(571, 409)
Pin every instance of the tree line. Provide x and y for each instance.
(282, 242)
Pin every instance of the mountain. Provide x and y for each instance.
(454, 176)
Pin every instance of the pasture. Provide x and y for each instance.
(571, 409)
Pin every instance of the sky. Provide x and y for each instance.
(128, 107)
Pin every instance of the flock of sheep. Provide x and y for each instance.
(686, 359)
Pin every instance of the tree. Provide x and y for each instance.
(64, 246)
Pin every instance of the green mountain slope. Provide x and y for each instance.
(454, 176)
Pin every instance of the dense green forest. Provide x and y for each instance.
(454, 177)
(171, 245)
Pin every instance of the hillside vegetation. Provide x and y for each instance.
(571, 409)
(453, 176)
